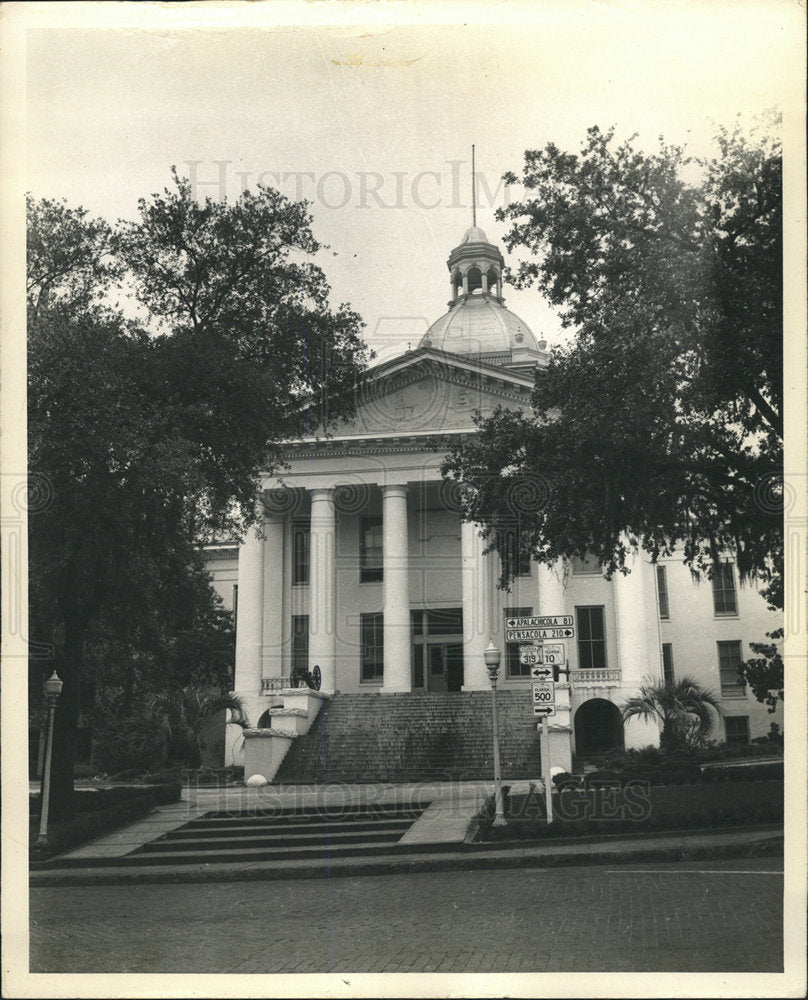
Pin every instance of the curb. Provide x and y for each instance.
(465, 861)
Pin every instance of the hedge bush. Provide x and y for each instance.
(635, 808)
(97, 813)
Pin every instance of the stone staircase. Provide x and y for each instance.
(414, 737)
(299, 834)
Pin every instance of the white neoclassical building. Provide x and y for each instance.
(365, 568)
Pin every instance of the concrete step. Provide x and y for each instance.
(289, 838)
(240, 831)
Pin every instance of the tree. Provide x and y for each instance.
(187, 713)
(683, 708)
(764, 672)
(153, 426)
(660, 426)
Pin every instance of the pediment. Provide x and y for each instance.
(433, 393)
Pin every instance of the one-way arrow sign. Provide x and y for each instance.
(541, 673)
(540, 621)
(544, 710)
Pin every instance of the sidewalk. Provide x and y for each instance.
(435, 842)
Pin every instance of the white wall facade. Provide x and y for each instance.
(387, 464)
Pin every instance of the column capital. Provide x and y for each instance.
(322, 494)
(395, 490)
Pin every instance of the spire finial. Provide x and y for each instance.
(473, 190)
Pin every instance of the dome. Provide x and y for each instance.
(474, 235)
(478, 324)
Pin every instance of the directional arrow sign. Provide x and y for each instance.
(539, 673)
(544, 710)
(540, 621)
(527, 634)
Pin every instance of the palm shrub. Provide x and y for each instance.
(186, 714)
(683, 707)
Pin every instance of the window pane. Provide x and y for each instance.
(514, 667)
(667, 662)
(300, 560)
(724, 600)
(586, 566)
(729, 659)
(370, 550)
(737, 728)
(446, 621)
(591, 637)
(300, 641)
(662, 592)
(372, 646)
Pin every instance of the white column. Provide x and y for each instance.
(478, 625)
(274, 571)
(550, 581)
(322, 589)
(637, 655)
(397, 638)
(249, 624)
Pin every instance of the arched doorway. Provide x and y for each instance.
(598, 728)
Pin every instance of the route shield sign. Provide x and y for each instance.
(544, 710)
(553, 653)
(543, 693)
(530, 655)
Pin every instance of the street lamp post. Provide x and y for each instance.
(492, 657)
(53, 688)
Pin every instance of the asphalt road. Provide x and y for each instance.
(722, 916)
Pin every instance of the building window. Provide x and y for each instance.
(370, 550)
(591, 638)
(587, 565)
(729, 660)
(515, 668)
(737, 728)
(662, 592)
(300, 642)
(513, 561)
(667, 662)
(301, 548)
(724, 599)
(372, 646)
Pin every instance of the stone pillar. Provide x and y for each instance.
(249, 625)
(485, 283)
(397, 629)
(465, 284)
(478, 626)
(552, 601)
(637, 641)
(322, 588)
(274, 570)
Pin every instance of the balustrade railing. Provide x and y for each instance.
(595, 678)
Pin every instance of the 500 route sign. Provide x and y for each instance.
(544, 693)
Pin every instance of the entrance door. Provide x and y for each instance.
(444, 666)
(436, 666)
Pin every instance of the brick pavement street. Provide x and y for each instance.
(722, 916)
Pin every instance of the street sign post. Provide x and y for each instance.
(541, 673)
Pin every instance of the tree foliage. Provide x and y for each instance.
(764, 672)
(151, 421)
(683, 708)
(660, 425)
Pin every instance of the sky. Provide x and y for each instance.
(373, 121)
